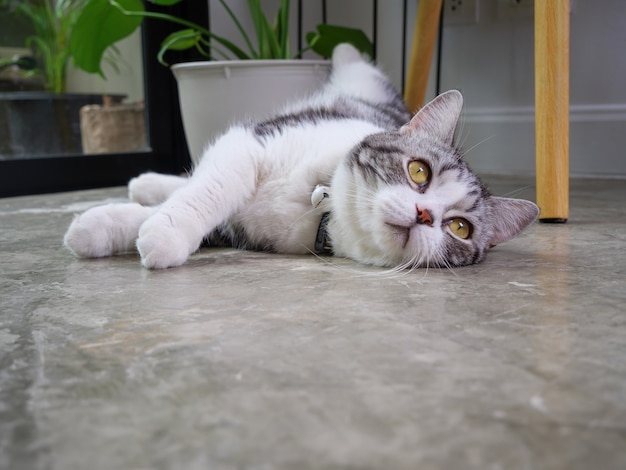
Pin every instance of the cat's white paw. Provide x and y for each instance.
(151, 189)
(161, 245)
(88, 236)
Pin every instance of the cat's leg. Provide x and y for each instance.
(222, 183)
(151, 189)
(105, 230)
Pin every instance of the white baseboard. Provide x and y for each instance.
(578, 113)
(505, 139)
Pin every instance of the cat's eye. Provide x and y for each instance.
(419, 172)
(460, 228)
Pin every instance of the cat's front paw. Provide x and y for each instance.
(89, 236)
(161, 245)
(151, 189)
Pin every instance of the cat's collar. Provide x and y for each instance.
(322, 241)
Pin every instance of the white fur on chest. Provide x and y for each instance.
(291, 165)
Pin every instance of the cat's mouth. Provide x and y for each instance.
(400, 233)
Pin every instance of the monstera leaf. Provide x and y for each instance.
(328, 36)
(100, 25)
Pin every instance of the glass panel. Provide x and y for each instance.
(77, 114)
(167, 152)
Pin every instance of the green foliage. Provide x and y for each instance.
(90, 39)
(328, 36)
(104, 22)
(87, 30)
(53, 23)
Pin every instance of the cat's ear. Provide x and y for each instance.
(510, 217)
(438, 118)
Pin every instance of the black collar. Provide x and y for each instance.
(322, 242)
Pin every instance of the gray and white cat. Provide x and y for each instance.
(347, 170)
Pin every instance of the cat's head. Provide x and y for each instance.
(408, 198)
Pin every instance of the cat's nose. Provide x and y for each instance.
(424, 217)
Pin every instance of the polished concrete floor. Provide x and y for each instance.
(243, 360)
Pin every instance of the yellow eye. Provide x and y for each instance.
(461, 228)
(419, 172)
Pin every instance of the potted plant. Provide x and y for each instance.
(246, 81)
(46, 121)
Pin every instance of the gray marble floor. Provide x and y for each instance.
(243, 360)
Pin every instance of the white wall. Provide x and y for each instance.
(491, 62)
(129, 80)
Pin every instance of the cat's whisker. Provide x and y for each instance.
(466, 151)
(461, 135)
(302, 216)
(391, 273)
(446, 264)
(518, 190)
(329, 262)
(403, 269)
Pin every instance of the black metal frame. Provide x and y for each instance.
(168, 150)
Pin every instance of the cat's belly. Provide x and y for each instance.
(286, 227)
(280, 216)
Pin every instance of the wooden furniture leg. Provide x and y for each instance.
(424, 39)
(552, 108)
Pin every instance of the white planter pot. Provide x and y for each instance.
(213, 95)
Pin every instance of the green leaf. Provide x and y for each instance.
(99, 26)
(179, 41)
(281, 28)
(165, 3)
(182, 40)
(256, 13)
(270, 39)
(328, 36)
(242, 31)
(191, 38)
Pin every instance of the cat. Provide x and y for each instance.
(346, 171)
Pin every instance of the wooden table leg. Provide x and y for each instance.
(552, 108)
(424, 39)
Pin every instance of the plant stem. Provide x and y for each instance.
(246, 38)
(173, 19)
